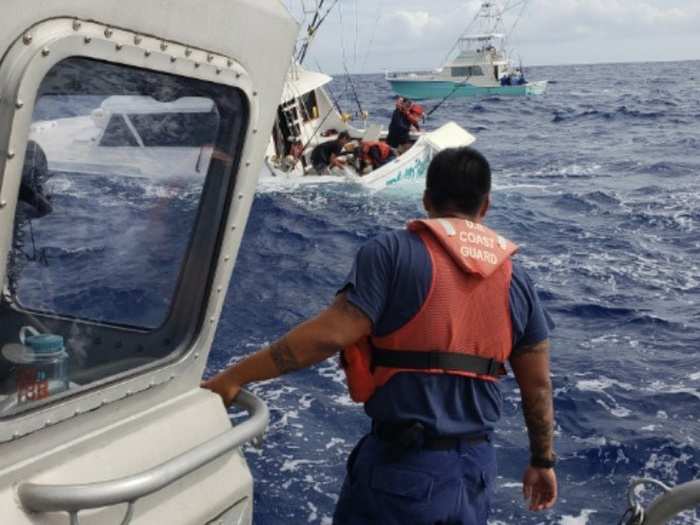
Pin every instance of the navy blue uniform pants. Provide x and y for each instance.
(421, 487)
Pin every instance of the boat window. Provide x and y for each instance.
(190, 130)
(467, 71)
(113, 247)
(118, 134)
(309, 106)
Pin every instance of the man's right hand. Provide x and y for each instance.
(225, 385)
(540, 487)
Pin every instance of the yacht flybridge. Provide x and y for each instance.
(104, 335)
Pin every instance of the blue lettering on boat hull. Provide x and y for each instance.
(415, 171)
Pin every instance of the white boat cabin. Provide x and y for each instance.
(129, 158)
(129, 135)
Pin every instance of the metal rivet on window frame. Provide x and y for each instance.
(76, 25)
(27, 38)
(108, 32)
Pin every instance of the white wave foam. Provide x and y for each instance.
(616, 411)
(581, 519)
(334, 442)
(344, 400)
(292, 465)
(601, 383)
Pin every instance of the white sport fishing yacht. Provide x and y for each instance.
(307, 116)
(101, 416)
(480, 63)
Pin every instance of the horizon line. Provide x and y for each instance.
(542, 65)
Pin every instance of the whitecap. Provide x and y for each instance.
(581, 519)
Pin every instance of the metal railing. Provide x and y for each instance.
(74, 498)
(671, 502)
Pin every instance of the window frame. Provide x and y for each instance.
(21, 72)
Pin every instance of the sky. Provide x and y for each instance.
(369, 36)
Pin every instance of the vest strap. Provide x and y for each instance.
(421, 360)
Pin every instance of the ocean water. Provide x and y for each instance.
(598, 181)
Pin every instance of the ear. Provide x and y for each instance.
(427, 203)
(485, 206)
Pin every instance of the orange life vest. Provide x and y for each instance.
(384, 150)
(415, 113)
(464, 325)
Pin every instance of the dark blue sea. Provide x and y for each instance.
(598, 181)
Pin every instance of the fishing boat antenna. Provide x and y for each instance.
(316, 22)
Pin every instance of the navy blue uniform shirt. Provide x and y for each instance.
(389, 282)
(399, 129)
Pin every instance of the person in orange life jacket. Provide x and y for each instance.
(437, 308)
(374, 154)
(400, 126)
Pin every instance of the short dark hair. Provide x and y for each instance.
(459, 179)
(344, 135)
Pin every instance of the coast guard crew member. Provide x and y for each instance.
(426, 319)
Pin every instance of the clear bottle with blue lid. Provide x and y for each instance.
(42, 366)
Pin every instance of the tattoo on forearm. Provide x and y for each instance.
(539, 415)
(284, 359)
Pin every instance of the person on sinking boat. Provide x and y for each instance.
(327, 155)
(405, 116)
(425, 323)
(33, 201)
(372, 154)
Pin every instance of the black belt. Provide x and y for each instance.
(408, 435)
(420, 360)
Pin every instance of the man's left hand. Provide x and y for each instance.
(540, 487)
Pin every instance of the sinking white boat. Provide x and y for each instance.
(132, 136)
(307, 116)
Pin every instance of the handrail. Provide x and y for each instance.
(679, 498)
(73, 498)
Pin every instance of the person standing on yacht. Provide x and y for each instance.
(426, 320)
(400, 126)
